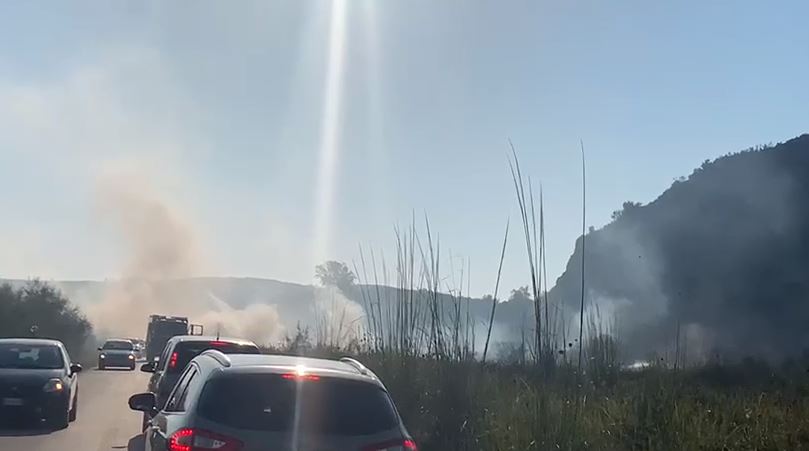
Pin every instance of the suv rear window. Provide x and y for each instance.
(328, 406)
(187, 350)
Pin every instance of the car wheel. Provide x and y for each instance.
(75, 410)
(131, 367)
(100, 366)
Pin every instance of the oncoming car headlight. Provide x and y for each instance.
(102, 356)
(53, 386)
(131, 357)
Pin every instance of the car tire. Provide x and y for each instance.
(131, 367)
(75, 410)
(100, 366)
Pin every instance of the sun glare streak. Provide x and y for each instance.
(378, 163)
(371, 43)
(330, 131)
(296, 422)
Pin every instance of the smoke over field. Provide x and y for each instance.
(720, 256)
(161, 245)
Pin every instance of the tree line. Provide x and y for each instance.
(39, 310)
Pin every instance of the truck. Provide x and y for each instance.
(161, 328)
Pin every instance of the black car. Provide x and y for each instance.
(117, 353)
(38, 381)
(182, 349)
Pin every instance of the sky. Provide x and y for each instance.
(284, 133)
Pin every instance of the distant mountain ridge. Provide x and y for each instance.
(296, 303)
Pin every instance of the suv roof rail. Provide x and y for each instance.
(356, 364)
(217, 355)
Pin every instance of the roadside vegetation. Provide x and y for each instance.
(456, 402)
(562, 384)
(522, 399)
(40, 310)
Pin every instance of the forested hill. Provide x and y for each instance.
(724, 252)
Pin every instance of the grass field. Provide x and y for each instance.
(466, 405)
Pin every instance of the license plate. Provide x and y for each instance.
(12, 402)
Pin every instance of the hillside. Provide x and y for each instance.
(724, 253)
(209, 299)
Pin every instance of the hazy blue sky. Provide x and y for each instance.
(216, 110)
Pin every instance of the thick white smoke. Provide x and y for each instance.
(161, 247)
(339, 320)
(260, 323)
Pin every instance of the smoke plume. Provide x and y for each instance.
(161, 249)
(338, 319)
(260, 323)
(721, 257)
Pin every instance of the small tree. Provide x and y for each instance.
(628, 208)
(335, 274)
(521, 294)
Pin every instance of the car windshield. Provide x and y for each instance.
(187, 350)
(270, 402)
(118, 345)
(19, 356)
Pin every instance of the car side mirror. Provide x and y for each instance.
(100, 348)
(75, 368)
(144, 402)
(148, 367)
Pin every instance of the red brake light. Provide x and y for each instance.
(179, 441)
(301, 377)
(173, 360)
(393, 445)
(199, 440)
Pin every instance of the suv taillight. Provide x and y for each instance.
(199, 440)
(393, 445)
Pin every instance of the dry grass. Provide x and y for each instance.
(450, 404)
(469, 406)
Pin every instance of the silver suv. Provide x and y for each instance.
(244, 402)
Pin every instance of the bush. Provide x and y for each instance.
(39, 310)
